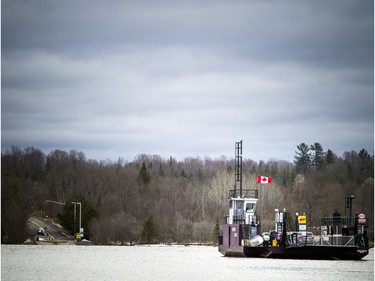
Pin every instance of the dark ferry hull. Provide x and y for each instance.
(232, 252)
(297, 252)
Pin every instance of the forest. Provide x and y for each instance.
(157, 200)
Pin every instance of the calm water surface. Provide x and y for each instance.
(29, 262)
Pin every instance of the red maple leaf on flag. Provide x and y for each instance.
(263, 179)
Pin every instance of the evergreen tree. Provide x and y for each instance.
(365, 165)
(330, 157)
(149, 230)
(302, 158)
(317, 156)
(161, 171)
(216, 231)
(144, 175)
(183, 174)
(200, 175)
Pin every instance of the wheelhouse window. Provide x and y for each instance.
(250, 207)
(239, 205)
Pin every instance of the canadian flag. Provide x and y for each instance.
(263, 180)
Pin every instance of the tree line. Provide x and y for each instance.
(153, 199)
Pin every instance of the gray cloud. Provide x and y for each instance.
(120, 78)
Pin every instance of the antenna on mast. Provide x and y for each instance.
(238, 166)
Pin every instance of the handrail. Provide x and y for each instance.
(336, 240)
(246, 193)
(338, 220)
(241, 220)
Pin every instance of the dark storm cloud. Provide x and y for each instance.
(322, 30)
(117, 78)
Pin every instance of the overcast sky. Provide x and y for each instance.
(187, 78)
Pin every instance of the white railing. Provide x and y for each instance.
(335, 240)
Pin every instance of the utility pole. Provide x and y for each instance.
(80, 216)
(75, 215)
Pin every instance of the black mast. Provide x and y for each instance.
(238, 166)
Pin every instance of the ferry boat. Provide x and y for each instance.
(341, 238)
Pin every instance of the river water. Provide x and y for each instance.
(158, 262)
